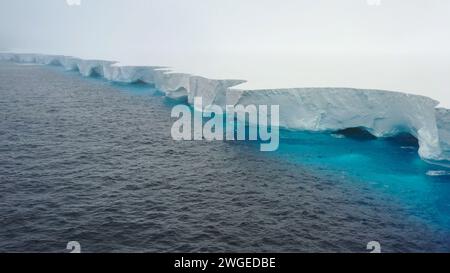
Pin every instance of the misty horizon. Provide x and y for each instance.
(398, 46)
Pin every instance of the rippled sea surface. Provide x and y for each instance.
(90, 161)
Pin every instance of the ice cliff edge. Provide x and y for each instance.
(382, 113)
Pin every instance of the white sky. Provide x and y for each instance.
(401, 45)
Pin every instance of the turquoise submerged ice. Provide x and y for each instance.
(388, 165)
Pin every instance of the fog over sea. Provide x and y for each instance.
(401, 45)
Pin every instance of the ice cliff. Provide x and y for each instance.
(443, 124)
(382, 113)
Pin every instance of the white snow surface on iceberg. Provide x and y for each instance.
(382, 113)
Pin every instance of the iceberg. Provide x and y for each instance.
(381, 113)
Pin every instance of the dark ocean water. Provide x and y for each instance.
(90, 161)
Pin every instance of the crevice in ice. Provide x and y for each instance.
(402, 139)
(95, 74)
(405, 140)
(357, 133)
(55, 63)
